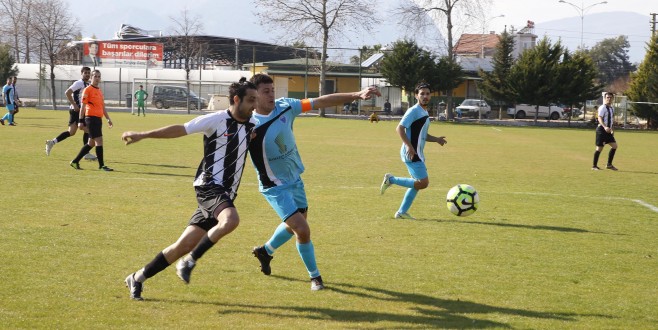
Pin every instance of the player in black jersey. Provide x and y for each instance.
(227, 134)
(73, 94)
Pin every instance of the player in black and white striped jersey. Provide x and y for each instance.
(227, 134)
(605, 133)
(74, 96)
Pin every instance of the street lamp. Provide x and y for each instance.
(484, 27)
(582, 9)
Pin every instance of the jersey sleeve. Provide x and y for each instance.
(76, 85)
(296, 105)
(85, 96)
(408, 118)
(205, 124)
(602, 111)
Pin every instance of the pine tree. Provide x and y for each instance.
(7, 63)
(446, 75)
(644, 86)
(577, 79)
(495, 84)
(534, 77)
(406, 65)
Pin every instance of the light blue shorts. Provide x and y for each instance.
(287, 199)
(418, 170)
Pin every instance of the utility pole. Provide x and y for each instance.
(653, 24)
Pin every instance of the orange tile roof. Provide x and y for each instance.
(472, 43)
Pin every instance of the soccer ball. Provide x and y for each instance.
(462, 200)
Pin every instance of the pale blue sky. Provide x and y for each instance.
(232, 18)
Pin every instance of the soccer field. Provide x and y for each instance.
(553, 245)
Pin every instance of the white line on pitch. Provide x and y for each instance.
(645, 204)
(496, 129)
(638, 201)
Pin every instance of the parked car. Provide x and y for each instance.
(522, 111)
(165, 96)
(574, 112)
(473, 108)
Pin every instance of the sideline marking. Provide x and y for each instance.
(645, 204)
(496, 129)
(638, 201)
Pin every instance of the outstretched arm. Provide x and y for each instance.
(335, 99)
(167, 132)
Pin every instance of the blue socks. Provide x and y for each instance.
(408, 199)
(280, 237)
(307, 252)
(404, 182)
(8, 117)
(409, 196)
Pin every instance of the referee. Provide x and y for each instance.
(92, 113)
(604, 133)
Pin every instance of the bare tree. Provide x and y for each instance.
(54, 27)
(317, 20)
(27, 31)
(185, 31)
(15, 13)
(418, 15)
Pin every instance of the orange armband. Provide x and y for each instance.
(307, 105)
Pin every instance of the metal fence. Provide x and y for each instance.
(116, 93)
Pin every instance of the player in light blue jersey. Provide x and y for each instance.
(413, 132)
(8, 96)
(279, 167)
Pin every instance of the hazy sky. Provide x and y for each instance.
(231, 18)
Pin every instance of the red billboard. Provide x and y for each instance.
(122, 54)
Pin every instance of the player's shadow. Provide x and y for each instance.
(165, 174)
(153, 165)
(423, 311)
(533, 227)
(189, 175)
(638, 172)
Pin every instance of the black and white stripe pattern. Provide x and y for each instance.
(225, 146)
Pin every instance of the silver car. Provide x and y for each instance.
(473, 108)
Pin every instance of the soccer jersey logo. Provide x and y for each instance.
(280, 141)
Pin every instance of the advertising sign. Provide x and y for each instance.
(122, 54)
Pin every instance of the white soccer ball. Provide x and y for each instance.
(462, 200)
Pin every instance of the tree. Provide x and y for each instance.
(535, 75)
(419, 14)
(54, 27)
(406, 65)
(495, 84)
(611, 57)
(445, 75)
(644, 86)
(184, 41)
(317, 19)
(18, 28)
(7, 63)
(577, 79)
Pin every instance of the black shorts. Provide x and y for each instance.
(74, 117)
(94, 126)
(210, 198)
(603, 137)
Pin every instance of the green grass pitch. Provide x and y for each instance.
(553, 244)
